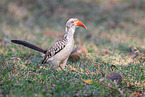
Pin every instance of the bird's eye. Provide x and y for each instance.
(72, 21)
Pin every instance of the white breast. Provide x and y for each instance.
(64, 53)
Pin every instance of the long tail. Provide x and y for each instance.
(29, 45)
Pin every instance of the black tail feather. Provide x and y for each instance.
(29, 45)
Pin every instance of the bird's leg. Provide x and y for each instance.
(63, 64)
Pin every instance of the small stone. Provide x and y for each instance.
(114, 76)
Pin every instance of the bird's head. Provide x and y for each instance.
(74, 22)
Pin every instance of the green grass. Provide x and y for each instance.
(115, 40)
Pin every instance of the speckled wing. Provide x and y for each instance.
(54, 49)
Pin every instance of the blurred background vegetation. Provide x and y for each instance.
(110, 20)
(115, 34)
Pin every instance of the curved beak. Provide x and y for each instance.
(79, 23)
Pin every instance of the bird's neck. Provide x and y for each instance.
(69, 33)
